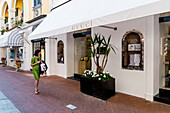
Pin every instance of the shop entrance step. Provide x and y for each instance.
(163, 96)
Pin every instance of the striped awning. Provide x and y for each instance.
(11, 38)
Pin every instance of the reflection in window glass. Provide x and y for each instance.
(43, 50)
(60, 50)
(12, 54)
(20, 54)
(132, 51)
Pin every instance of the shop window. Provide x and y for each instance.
(60, 52)
(133, 51)
(16, 12)
(6, 20)
(12, 54)
(20, 54)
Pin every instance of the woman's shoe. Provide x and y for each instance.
(36, 92)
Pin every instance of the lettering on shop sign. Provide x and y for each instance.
(82, 25)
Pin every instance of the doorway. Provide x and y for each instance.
(82, 52)
(39, 44)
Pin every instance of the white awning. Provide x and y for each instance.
(82, 14)
(11, 38)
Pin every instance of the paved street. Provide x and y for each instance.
(56, 93)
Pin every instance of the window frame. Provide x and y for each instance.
(37, 3)
(60, 62)
(142, 49)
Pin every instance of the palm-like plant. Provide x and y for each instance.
(97, 43)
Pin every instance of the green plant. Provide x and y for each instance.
(104, 76)
(19, 22)
(7, 28)
(3, 31)
(97, 43)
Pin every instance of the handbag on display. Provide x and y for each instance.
(168, 75)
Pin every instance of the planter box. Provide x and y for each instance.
(97, 88)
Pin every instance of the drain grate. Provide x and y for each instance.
(70, 106)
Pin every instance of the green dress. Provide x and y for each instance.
(36, 68)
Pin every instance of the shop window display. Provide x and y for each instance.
(60, 52)
(133, 51)
(20, 54)
(12, 54)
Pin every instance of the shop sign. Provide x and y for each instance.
(82, 25)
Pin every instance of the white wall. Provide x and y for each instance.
(55, 68)
(144, 84)
(27, 50)
(54, 3)
(133, 82)
(70, 55)
(3, 53)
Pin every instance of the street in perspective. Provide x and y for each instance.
(84, 56)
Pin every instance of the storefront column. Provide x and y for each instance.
(2, 21)
(8, 50)
(47, 52)
(152, 57)
(11, 13)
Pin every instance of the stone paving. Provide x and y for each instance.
(56, 93)
(6, 106)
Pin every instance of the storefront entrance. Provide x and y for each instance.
(82, 54)
(39, 44)
(164, 91)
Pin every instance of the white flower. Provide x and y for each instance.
(99, 78)
(97, 75)
(107, 72)
(104, 76)
(100, 74)
(85, 71)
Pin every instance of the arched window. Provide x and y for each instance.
(133, 51)
(60, 52)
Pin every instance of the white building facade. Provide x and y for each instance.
(64, 49)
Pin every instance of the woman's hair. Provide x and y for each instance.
(36, 52)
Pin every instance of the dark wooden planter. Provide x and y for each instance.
(97, 88)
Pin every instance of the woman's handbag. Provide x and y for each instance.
(31, 68)
(43, 67)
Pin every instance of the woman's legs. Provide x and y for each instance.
(36, 85)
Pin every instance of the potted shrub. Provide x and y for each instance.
(98, 83)
(3, 59)
(3, 31)
(18, 63)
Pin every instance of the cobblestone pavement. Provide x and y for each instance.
(56, 93)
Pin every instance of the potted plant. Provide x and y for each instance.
(98, 83)
(18, 63)
(3, 59)
(3, 31)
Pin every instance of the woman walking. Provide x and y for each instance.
(35, 63)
